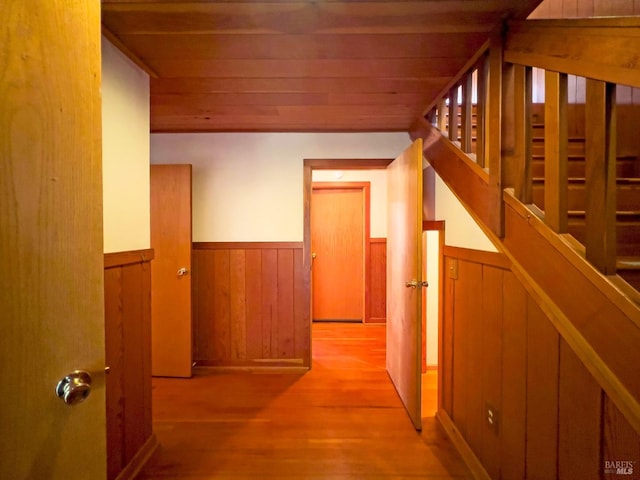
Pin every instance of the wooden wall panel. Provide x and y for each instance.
(501, 351)
(554, 420)
(620, 442)
(114, 358)
(221, 305)
(447, 335)
(467, 376)
(133, 383)
(514, 380)
(269, 302)
(377, 294)
(301, 308)
(542, 395)
(253, 290)
(203, 301)
(250, 307)
(128, 356)
(238, 304)
(459, 358)
(579, 419)
(470, 275)
(491, 364)
(285, 324)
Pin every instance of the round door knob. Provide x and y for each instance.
(75, 387)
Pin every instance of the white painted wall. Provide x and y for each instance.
(378, 193)
(461, 230)
(248, 186)
(125, 152)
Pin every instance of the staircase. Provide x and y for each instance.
(570, 239)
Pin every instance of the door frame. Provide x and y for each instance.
(310, 164)
(437, 226)
(365, 188)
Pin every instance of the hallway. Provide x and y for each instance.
(341, 420)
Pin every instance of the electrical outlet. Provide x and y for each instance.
(493, 418)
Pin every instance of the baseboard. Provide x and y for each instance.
(337, 320)
(251, 369)
(139, 460)
(469, 458)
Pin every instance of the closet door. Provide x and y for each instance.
(171, 325)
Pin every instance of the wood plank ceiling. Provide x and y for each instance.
(299, 65)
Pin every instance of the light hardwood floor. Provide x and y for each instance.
(341, 420)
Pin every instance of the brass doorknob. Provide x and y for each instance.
(314, 255)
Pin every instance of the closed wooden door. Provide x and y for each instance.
(404, 278)
(171, 329)
(51, 287)
(337, 242)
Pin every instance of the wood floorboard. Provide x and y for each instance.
(341, 420)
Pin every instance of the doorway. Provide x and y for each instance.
(433, 246)
(309, 167)
(342, 170)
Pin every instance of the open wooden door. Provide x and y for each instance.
(171, 328)
(52, 282)
(404, 278)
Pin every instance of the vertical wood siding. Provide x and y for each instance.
(249, 307)
(377, 294)
(128, 355)
(501, 350)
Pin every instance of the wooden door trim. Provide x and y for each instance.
(365, 187)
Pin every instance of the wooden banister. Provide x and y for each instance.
(453, 113)
(522, 133)
(493, 133)
(598, 48)
(600, 139)
(555, 151)
(442, 115)
(466, 110)
(481, 89)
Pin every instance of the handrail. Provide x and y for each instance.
(579, 47)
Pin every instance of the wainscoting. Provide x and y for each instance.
(127, 284)
(501, 352)
(250, 305)
(377, 294)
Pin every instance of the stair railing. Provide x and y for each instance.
(604, 51)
